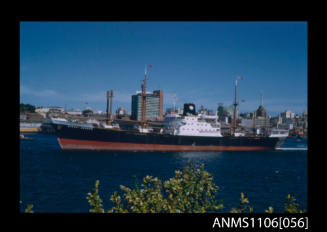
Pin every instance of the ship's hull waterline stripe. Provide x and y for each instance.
(74, 144)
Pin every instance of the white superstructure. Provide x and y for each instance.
(143, 129)
(278, 133)
(192, 125)
(113, 125)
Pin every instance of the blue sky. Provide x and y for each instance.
(70, 63)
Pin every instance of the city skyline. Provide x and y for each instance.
(71, 63)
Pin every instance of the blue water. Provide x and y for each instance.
(58, 181)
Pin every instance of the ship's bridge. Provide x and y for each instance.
(192, 125)
(171, 117)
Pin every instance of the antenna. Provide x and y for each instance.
(261, 98)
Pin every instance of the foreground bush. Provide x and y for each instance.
(190, 191)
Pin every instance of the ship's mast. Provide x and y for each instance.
(254, 125)
(107, 108)
(143, 87)
(110, 95)
(265, 121)
(235, 105)
(217, 114)
(110, 114)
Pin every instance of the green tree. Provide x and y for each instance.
(87, 112)
(26, 108)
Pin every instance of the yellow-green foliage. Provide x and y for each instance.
(29, 209)
(291, 206)
(269, 210)
(190, 191)
(243, 207)
(94, 200)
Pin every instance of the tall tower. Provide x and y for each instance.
(261, 111)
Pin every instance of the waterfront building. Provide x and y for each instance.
(98, 112)
(287, 114)
(287, 124)
(74, 112)
(31, 117)
(224, 113)
(121, 113)
(22, 117)
(261, 112)
(247, 115)
(206, 111)
(304, 114)
(274, 121)
(259, 122)
(154, 105)
(30, 126)
(174, 111)
(50, 109)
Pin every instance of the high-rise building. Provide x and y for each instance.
(287, 114)
(154, 106)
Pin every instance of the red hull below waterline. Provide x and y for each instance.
(74, 144)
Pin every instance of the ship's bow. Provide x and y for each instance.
(280, 141)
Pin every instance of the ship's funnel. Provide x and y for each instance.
(189, 108)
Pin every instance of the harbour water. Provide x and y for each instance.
(58, 181)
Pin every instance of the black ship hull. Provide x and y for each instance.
(91, 138)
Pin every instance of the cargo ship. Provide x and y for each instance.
(187, 132)
(190, 131)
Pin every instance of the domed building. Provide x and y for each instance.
(262, 119)
(261, 112)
